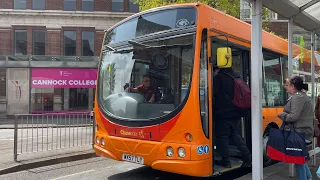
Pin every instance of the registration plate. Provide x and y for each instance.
(132, 158)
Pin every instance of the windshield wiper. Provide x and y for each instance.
(109, 47)
(137, 43)
(159, 46)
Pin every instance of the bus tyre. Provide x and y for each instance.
(266, 160)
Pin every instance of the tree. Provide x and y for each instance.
(231, 7)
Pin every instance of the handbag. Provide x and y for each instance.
(287, 145)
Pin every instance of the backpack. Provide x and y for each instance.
(241, 94)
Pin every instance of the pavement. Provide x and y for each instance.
(30, 160)
(280, 171)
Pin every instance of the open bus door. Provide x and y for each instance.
(240, 64)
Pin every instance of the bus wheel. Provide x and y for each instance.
(266, 160)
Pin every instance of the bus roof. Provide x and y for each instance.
(226, 24)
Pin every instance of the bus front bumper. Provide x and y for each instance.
(199, 168)
(104, 153)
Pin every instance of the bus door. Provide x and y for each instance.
(240, 65)
(240, 56)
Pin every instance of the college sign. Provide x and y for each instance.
(63, 78)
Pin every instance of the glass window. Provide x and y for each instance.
(87, 43)
(133, 7)
(20, 45)
(273, 80)
(59, 99)
(39, 42)
(152, 23)
(38, 4)
(70, 5)
(78, 98)
(146, 82)
(70, 43)
(87, 5)
(42, 99)
(20, 4)
(117, 5)
(203, 87)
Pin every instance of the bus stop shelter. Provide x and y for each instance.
(304, 13)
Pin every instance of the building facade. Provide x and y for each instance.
(49, 52)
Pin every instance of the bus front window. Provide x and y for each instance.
(146, 80)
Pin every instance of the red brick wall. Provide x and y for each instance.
(280, 28)
(102, 5)
(29, 40)
(6, 4)
(98, 39)
(54, 4)
(78, 5)
(53, 42)
(126, 5)
(78, 42)
(29, 4)
(6, 42)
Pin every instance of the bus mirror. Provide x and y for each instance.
(224, 57)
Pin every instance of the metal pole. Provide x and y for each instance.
(290, 72)
(15, 148)
(312, 88)
(256, 87)
(290, 36)
(93, 131)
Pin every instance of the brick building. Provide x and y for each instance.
(54, 37)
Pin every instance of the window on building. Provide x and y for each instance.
(133, 7)
(39, 42)
(70, 43)
(38, 4)
(87, 43)
(87, 5)
(20, 44)
(117, 5)
(273, 94)
(70, 5)
(245, 14)
(20, 4)
(296, 39)
(272, 15)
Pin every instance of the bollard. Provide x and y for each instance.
(93, 131)
(15, 148)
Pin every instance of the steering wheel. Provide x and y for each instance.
(137, 96)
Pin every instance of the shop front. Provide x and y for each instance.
(62, 89)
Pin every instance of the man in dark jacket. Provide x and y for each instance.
(227, 118)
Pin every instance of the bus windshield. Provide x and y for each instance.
(159, 70)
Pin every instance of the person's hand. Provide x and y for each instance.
(279, 115)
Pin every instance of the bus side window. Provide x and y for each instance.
(273, 79)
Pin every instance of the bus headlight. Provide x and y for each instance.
(181, 152)
(97, 140)
(170, 151)
(102, 141)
